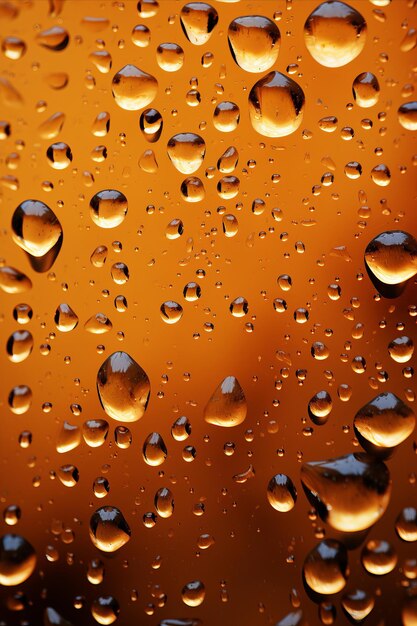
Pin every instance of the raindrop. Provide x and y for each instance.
(133, 89)
(401, 349)
(170, 57)
(193, 593)
(391, 257)
(226, 116)
(105, 609)
(254, 42)
(319, 407)
(358, 604)
(406, 524)
(192, 189)
(65, 318)
(13, 280)
(407, 115)
(20, 399)
(108, 208)
(151, 124)
(227, 406)
(19, 345)
(366, 90)
(181, 428)
(326, 568)
(164, 502)
(385, 421)
(68, 438)
(109, 530)
(186, 151)
(198, 21)
(379, 557)
(154, 450)
(59, 155)
(55, 38)
(17, 560)
(281, 493)
(13, 48)
(171, 312)
(95, 432)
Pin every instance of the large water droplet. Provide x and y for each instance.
(366, 90)
(407, 115)
(123, 387)
(20, 399)
(37, 230)
(254, 42)
(198, 20)
(186, 151)
(105, 610)
(227, 406)
(154, 450)
(326, 567)
(109, 530)
(334, 33)
(350, 492)
(379, 557)
(19, 345)
(108, 208)
(17, 560)
(358, 604)
(171, 312)
(13, 280)
(193, 593)
(385, 421)
(133, 89)
(319, 407)
(55, 38)
(164, 502)
(68, 438)
(276, 105)
(281, 493)
(151, 124)
(391, 258)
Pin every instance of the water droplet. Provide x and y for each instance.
(101, 124)
(379, 557)
(171, 312)
(181, 428)
(95, 432)
(101, 487)
(226, 116)
(12, 514)
(230, 225)
(22, 313)
(391, 257)
(170, 57)
(102, 60)
(13, 48)
(385, 421)
(193, 593)
(239, 307)
(51, 127)
(174, 229)
(381, 175)
(65, 318)
(320, 351)
(401, 349)
(192, 292)
(319, 407)
(148, 163)
(105, 610)
(123, 387)
(95, 572)
(407, 115)
(334, 33)
(192, 189)
(276, 105)
(228, 161)
(109, 530)
(186, 151)
(151, 124)
(366, 89)
(17, 560)
(108, 208)
(59, 155)
(20, 399)
(326, 568)
(37, 230)
(154, 450)
(281, 493)
(358, 604)
(55, 38)
(254, 42)
(141, 36)
(19, 345)
(98, 324)
(68, 438)
(133, 89)
(198, 20)
(227, 406)
(406, 524)
(350, 493)
(68, 475)
(13, 280)
(164, 502)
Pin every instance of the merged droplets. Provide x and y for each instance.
(108, 208)
(109, 530)
(334, 33)
(366, 89)
(391, 257)
(17, 560)
(350, 493)
(227, 406)
(254, 42)
(276, 105)
(123, 387)
(37, 230)
(385, 421)
(326, 568)
(186, 151)
(281, 493)
(133, 88)
(198, 21)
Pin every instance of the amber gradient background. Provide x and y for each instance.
(253, 541)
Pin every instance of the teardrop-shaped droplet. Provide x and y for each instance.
(281, 493)
(109, 530)
(379, 557)
(65, 318)
(228, 161)
(154, 450)
(385, 421)
(68, 438)
(123, 387)
(164, 502)
(102, 60)
(55, 38)
(133, 89)
(19, 345)
(13, 280)
(366, 90)
(326, 568)
(148, 163)
(37, 230)
(186, 151)
(108, 208)
(198, 20)
(358, 604)
(98, 324)
(392, 257)
(334, 33)
(17, 560)
(407, 115)
(254, 42)
(276, 105)
(51, 127)
(350, 493)
(227, 406)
